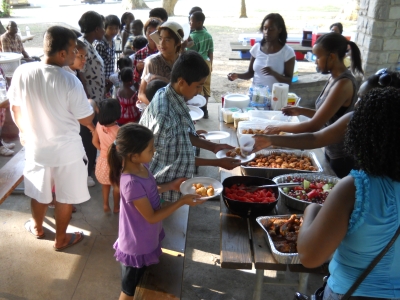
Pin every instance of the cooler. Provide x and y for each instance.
(315, 37)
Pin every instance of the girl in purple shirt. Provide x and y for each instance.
(140, 222)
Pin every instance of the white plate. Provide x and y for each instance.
(187, 186)
(197, 100)
(141, 105)
(216, 135)
(222, 154)
(195, 113)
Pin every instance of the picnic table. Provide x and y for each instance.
(243, 241)
(237, 46)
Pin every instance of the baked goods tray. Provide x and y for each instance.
(280, 257)
(273, 172)
(296, 203)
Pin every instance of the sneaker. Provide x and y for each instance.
(90, 181)
(8, 145)
(5, 151)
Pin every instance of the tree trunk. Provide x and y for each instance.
(133, 4)
(169, 6)
(243, 13)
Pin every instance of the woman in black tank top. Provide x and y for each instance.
(336, 99)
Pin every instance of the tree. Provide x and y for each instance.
(169, 6)
(5, 8)
(243, 13)
(133, 4)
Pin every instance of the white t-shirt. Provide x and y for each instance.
(276, 61)
(51, 100)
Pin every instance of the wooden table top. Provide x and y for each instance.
(242, 239)
(236, 46)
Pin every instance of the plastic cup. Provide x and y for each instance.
(246, 144)
(252, 42)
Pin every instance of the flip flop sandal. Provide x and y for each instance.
(28, 228)
(73, 241)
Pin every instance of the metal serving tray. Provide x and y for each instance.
(282, 258)
(272, 172)
(294, 202)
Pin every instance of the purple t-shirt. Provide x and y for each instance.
(139, 242)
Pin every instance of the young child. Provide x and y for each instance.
(153, 87)
(106, 49)
(127, 98)
(138, 43)
(175, 135)
(203, 44)
(140, 227)
(125, 28)
(123, 62)
(136, 31)
(105, 135)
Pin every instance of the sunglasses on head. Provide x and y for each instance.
(385, 78)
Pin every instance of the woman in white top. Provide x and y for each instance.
(271, 60)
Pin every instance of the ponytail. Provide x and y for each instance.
(355, 58)
(115, 164)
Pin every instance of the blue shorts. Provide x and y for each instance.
(330, 295)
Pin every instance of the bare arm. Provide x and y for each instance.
(96, 140)
(142, 92)
(88, 122)
(318, 238)
(247, 75)
(287, 72)
(18, 120)
(329, 135)
(211, 56)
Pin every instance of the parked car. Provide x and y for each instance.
(92, 1)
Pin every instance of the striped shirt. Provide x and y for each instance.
(203, 43)
(169, 119)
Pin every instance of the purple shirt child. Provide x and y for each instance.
(139, 242)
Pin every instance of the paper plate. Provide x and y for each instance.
(216, 135)
(141, 105)
(197, 100)
(222, 154)
(195, 112)
(187, 186)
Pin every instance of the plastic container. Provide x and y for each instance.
(3, 88)
(227, 114)
(292, 99)
(236, 100)
(260, 97)
(238, 117)
(263, 115)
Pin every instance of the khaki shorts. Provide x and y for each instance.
(207, 84)
(70, 182)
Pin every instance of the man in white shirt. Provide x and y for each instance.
(47, 105)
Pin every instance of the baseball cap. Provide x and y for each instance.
(174, 26)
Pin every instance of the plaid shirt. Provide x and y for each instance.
(169, 119)
(107, 53)
(140, 55)
(8, 43)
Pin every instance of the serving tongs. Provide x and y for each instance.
(254, 188)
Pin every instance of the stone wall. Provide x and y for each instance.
(378, 34)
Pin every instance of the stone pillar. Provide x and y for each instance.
(378, 34)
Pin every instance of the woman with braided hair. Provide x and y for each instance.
(364, 207)
(334, 133)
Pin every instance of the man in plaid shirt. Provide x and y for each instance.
(11, 42)
(151, 48)
(175, 135)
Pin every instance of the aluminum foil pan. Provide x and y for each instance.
(294, 202)
(271, 172)
(282, 258)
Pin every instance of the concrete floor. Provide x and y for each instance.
(32, 270)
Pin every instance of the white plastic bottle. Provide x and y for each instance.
(3, 88)
(27, 30)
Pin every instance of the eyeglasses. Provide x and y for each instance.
(385, 78)
(82, 57)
